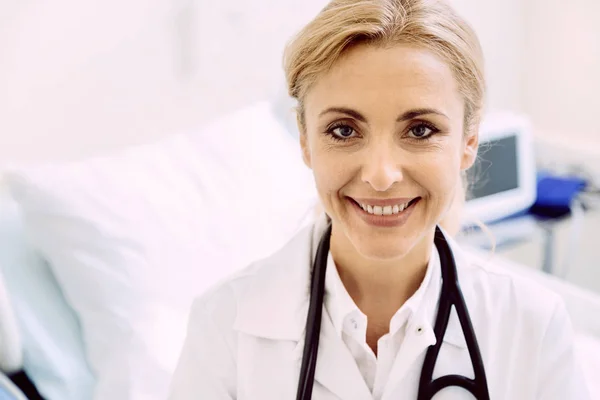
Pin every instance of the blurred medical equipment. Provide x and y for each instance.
(517, 198)
(503, 179)
(558, 200)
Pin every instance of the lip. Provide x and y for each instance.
(393, 220)
(383, 202)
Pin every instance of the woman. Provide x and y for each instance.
(390, 94)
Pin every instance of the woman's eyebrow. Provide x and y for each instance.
(411, 114)
(406, 116)
(344, 110)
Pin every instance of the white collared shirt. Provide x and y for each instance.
(350, 324)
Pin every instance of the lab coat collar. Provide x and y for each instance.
(276, 307)
(276, 297)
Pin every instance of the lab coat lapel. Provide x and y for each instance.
(409, 361)
(276, 301)
(336, 369)
(276, 309)
(420, 334)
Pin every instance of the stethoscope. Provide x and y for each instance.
(450, 295)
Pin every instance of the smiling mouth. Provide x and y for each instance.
(386, 210)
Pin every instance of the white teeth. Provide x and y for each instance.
(384, 210)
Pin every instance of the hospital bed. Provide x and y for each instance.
(102, 257)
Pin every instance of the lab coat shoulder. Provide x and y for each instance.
(517, 296)
(533, 323)
(232, 302)
(207, 362)
(243, 302)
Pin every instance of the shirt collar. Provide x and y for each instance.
(338, 303)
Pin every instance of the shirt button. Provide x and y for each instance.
(354, 323)
(419, 331)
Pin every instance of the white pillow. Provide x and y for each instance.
(134, 236)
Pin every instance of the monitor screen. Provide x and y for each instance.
(496, 168)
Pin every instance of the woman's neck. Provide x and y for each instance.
(380, 287)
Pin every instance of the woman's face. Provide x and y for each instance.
(385, 140)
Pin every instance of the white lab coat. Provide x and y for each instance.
(246, 336)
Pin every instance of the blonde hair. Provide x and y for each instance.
(429, 24)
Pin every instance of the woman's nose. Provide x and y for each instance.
(380, 168)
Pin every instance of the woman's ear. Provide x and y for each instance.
(305, 150)
(304, 141)
(469, 155)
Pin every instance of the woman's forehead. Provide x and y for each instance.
(403, 76)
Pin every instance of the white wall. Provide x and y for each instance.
(561, 77)
(82, 77)
(499, 25)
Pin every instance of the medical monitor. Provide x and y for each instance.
(503, 179)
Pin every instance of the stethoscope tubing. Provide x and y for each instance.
(450, 295)
(313, 321)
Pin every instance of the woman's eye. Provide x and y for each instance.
(342, 131)
(421, 131)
